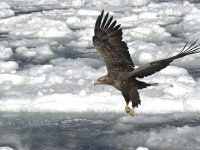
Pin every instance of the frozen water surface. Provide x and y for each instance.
(48, 65)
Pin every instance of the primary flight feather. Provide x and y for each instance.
(122, 74)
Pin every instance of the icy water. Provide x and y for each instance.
(32, 79)
(34, 131)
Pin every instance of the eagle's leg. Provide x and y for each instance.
(132, 111)
(127, 109)
(127, 99)
(135, 99)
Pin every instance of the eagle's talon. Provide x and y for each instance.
(132, 112)
(127, 109)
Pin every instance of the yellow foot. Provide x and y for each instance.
(127, 109)
(132, 112)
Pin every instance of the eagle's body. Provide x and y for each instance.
(121, 70)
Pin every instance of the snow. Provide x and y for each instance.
(48, 64)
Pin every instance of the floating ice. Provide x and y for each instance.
(6, 148)
(149, 32)
(5, 10)
(5, 53)
(42, 53)
(73, 78)
(42, 71)
(8, 66)
(142, 148)
(139, 2)
(4, 5)
(33, 26)
(174, 138)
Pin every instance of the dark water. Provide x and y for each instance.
(194, 73)
(36, 131)
(87, 131)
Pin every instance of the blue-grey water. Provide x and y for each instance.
(76, 131)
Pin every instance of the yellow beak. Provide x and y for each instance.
(96, 82)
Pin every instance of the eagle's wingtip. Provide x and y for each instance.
(102, 12)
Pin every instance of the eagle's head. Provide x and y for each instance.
(104, 80)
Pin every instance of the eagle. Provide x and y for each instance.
(121, 71)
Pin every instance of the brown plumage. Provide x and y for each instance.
(122, 74)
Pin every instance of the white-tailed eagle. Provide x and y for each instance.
(122, 74)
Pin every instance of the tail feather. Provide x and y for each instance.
(153, 84)
(142, 84)
(192, 49)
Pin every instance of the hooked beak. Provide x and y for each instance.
(96, 82)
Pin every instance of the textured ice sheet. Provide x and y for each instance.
(48, 62)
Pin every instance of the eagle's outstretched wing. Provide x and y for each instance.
(152, 67)
(107, 40)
